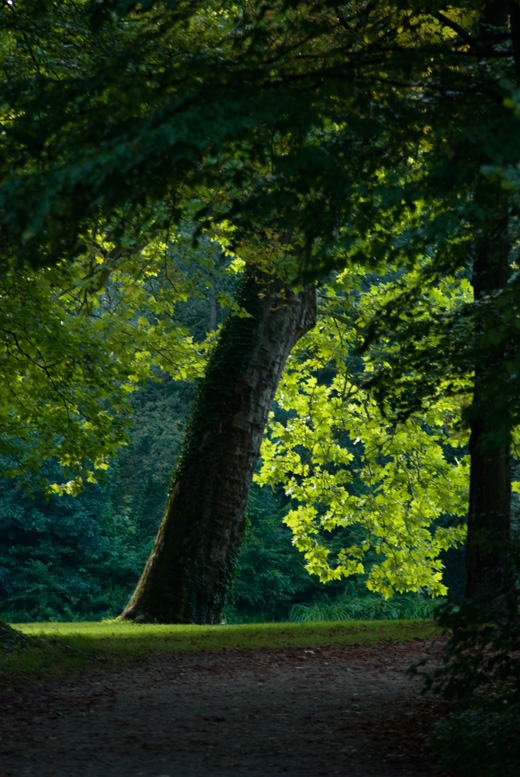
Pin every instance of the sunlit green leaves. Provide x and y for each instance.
(75, 342)
(403, 487)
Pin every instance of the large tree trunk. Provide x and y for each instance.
(489, 567)
(187, 576)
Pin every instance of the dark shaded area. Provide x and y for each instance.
(301, 713)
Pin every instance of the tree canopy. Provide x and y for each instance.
(329, 123)
(357, 134)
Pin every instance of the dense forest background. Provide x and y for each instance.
(78, 557)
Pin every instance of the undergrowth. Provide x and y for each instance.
(481, 739)
(366, 607)
(481, 676)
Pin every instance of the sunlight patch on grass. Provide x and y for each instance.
(60, 648)
(110, 635)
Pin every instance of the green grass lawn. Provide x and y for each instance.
(58, 648)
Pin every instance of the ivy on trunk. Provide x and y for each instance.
(188, 573)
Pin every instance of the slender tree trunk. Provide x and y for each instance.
(187, 576)
(489, 566)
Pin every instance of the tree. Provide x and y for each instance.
(490, 574)
(478, 342)
(287, 119)
(189, 570)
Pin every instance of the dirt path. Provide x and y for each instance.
(348, 711)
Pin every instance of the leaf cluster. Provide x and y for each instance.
(402, 486)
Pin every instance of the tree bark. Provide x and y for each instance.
(489, 565)
(187, 576)
(488, 550)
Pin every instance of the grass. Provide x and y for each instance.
(59, 648)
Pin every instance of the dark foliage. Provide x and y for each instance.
(481, 676)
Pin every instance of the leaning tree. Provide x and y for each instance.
(189, 570)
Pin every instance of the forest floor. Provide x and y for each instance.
(341, 710)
